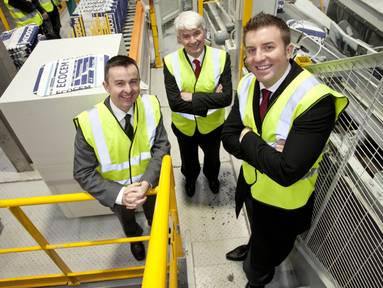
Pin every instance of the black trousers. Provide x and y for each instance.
(54, 16)
(52, 26)
(273, 233)
(127, 217)
(210, 144)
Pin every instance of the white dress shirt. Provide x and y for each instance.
(200, 59)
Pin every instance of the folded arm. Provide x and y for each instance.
(296, 156)
(199, 103)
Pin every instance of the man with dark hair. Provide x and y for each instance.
(119, 147)
(279, 124)
(198, 86)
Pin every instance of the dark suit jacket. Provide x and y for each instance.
(106, 191)
(304, 144)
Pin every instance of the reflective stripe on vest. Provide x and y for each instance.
(243, 88)
(150, 120)
(21, 18)
(285, 121)
(127, 181)
(299, 96)
(105, 160)
(116, 168)
(183, 73)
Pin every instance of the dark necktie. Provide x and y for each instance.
(128, 126)
(265, 102)
(197, 69)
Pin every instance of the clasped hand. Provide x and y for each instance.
(279, 145)
(134, 195)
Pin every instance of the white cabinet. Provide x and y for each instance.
(44, 124)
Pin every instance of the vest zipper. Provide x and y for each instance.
(195, 84)
(131, 145)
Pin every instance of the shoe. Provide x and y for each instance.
(190, 189)
(138, 250)
(214, 186)
(238, 254)
(265, 279)
(248, 285)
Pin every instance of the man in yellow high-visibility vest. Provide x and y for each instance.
(278, 126)
(119, 147)
(198, 87)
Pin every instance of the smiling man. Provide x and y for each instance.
(278, 125)
(119, 147)
(198, 87)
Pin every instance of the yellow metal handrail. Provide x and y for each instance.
(156, 44)
(135, 40)
(165, 207)
(156, 263)
(200, 7)
(4, 20)
(246, 15)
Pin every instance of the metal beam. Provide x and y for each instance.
(8, 140)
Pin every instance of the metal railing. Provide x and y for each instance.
(156, 262)
(4, 20)
(345, 241)
(165, 218)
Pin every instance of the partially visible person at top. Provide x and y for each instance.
(119, 147)
(278, 126)
(25, 12)
(52, 22)
(198, 86)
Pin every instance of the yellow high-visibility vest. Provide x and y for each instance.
(120, 159)
(21, 18)
(298, 97)
(211, 70)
